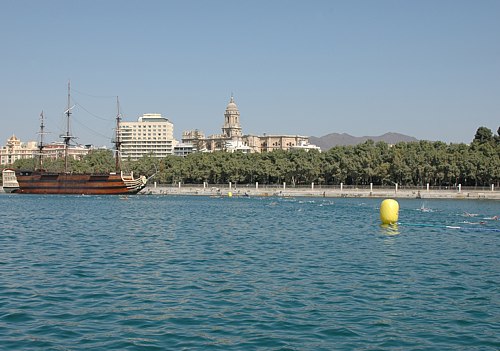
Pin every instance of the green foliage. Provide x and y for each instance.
(416, 163)
(483, 135)
(27, 164)
(96, 161)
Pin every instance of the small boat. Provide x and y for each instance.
(9, 180)
(41, 182)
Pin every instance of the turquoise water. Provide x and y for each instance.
(199, 273)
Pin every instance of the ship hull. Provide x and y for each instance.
(9, 189)
(78, 184)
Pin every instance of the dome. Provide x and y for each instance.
(231, 106)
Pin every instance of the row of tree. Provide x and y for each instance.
(409, 164)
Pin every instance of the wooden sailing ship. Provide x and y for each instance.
(42, 182)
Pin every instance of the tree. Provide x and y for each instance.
(96, 161)
(483, 135)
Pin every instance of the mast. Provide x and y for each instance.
(67, 137)
(118, 142)
(40, 145)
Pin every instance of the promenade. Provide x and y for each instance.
(348, 192)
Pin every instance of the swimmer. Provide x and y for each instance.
(480, 222)
(424, 209)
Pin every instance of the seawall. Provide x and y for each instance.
(322, 192)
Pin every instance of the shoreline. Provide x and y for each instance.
(326, 193)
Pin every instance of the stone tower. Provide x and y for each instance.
(232, 127)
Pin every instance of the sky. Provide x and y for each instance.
(429, 68)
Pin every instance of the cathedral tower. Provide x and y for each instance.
(232, 127)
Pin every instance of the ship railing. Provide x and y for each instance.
(134, 183)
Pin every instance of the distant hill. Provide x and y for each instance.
(334, 139)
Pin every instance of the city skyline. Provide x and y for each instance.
(430, 70)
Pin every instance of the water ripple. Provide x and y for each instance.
(157, 273)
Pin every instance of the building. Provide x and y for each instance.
(15, 150)
(195, 138)
(232, 138)
(304, 145)
(183, 149)
(152, 135)
(232, 128)
(56, 150)
(267, 143)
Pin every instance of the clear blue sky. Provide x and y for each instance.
(429, 69)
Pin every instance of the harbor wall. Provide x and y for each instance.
(201, 190)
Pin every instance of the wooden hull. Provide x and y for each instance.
(79, 184)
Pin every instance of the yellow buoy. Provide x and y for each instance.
(230, 194)
(389, 211)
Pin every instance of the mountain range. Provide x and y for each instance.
(335, 139)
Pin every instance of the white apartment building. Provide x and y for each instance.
(151, 135)
(183, 149)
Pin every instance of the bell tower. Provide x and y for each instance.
(232, 127)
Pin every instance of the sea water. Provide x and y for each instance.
(201, 273)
